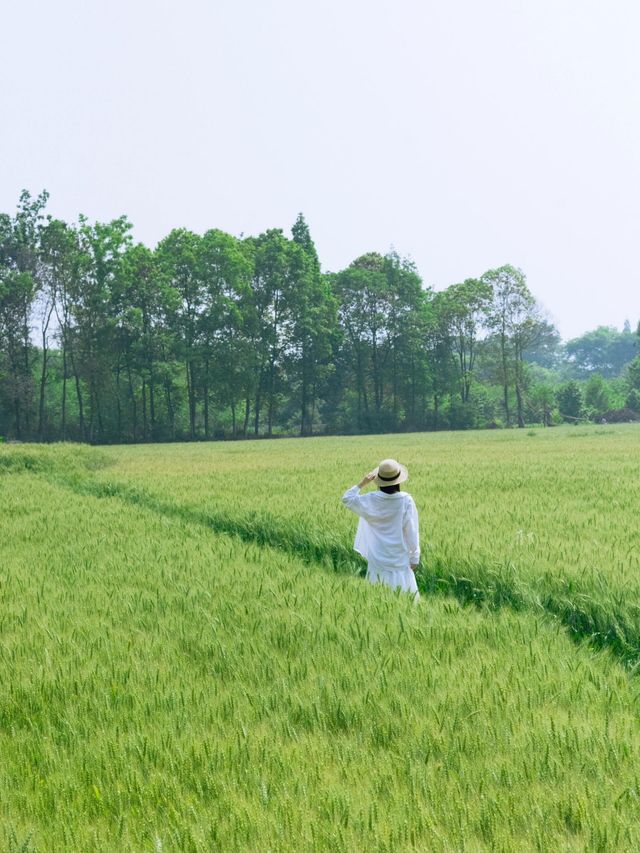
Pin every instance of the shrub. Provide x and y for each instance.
(633, 400)
(620, 416)
(570, 401)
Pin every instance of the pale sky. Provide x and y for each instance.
(464, 133)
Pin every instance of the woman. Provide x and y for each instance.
(387, 535)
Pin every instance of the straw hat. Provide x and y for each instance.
(390, 473)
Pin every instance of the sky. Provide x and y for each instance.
(464, 134)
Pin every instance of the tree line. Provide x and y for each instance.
(215, 336)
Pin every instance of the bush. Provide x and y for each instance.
(633, 400)
(570, 401)
(620, 416)
(597, 396)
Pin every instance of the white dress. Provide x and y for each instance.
(387, 536)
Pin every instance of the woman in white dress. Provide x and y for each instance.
(387, 535)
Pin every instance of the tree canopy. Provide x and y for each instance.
(103, 339)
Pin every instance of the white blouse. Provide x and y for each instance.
(387, 535)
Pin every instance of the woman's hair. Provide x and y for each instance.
(390, 490)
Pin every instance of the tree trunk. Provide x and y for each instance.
(79, 396)
(170, 410)
(394, 380)
(257, 404)
(99, 413)
(505, 383)
(92, 407)
(43, 380)
(519, 406)
(95, 406)
(63, 413)
(43, 375)
(377, 379)
(27, 375)
(191, 393)
(206, 398)
(303, 398)
(363, 401)
(469, 369)
(314, 394)
(63, 340)
(145, 425)
(118, 404)
(247, 413)
(271, 403)
(134, 405)
(412, 392)
(519, 383)
(462, 373)
(152, 406)
(16, 394)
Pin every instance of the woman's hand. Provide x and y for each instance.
(367, 479)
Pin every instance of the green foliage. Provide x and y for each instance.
(302, 237)
(547, 350)
(604, 350)
(633, 373)
(517, 325)
(633, 400)
(214, 336)
(383, 314)
(464, 309)
(542, 404)
(570, 401)
(597, 395)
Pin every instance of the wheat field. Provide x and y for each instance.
(190, 660)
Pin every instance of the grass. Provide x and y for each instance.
(168, 687)
(544, 521)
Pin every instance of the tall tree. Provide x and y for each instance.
(20, 282)
(314, 324)
(517, 321)
(16, 291)
(465, 308)
(270, 316)
(364, 308)
(58, 257)
(94, 307)
(407, 321)
(140, 302)
(382, 315)
(441, 359)
(226, 274)
(179, 258)
(61, 246)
